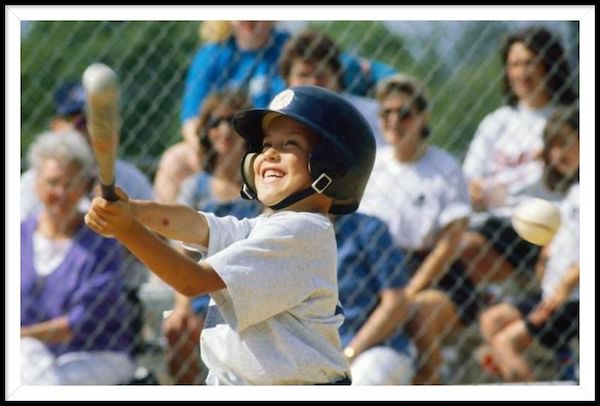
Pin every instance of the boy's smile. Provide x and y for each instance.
(281, 168)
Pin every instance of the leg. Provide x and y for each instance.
(508, 347)
(94, 368)
(496, 318)
(484, 263)
(433, 320)
(491, 322)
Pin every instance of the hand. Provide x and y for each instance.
(547, 307)
(477, 195)
(110, 219)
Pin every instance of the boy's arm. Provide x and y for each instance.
(180, 272)
(175, 221)
(172, 221)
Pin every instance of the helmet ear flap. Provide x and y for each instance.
(249, 187)
(324, 159)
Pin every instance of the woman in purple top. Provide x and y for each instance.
(74, 311)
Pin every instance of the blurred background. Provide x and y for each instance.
(459, 62)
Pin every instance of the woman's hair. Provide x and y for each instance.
(234, 100)
(66, 147)
(311, 46)
(405, 84)
(548, 48)
(214, 31)
(564, 115)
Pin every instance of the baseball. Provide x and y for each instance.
(98, 78)
(536, 220)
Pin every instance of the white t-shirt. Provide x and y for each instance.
(564, 247)
(416, 200)
(505, 151)
(277, 321)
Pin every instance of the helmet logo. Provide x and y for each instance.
(282, 100)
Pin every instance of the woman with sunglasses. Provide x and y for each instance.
(215, 189)
(420, 192)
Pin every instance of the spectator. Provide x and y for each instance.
(508, 329)
(420, 192)
(75, 316)
(70, 115)
(312, 58)
(216, 189)
(503, 158)
(372, 278)
(247, 58)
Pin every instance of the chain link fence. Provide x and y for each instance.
(459, 63)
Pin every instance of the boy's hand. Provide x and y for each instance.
(110, 219)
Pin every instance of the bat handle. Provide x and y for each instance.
(108, 192)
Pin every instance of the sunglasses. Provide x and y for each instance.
(404, 113)
(214, 122)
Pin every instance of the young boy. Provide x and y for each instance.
(274, 315)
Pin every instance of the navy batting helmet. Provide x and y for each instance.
(340, 165)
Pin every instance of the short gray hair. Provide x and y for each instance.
(66, 147)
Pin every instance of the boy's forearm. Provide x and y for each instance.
(180, 272)
(172, 221)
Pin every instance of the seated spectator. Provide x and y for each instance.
(75, 315)
(215, 189)
(372, 278)
(420, 192)
(243, 56)
(245, 60)
(70, 115)
(503, 157)
(509, 328)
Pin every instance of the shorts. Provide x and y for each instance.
(500, 233)
(458, 286)
(556, 332)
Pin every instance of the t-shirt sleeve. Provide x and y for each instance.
(223, 231)
(271, 272)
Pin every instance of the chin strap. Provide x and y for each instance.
(318, 186)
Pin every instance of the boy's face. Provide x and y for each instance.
(281, 168)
